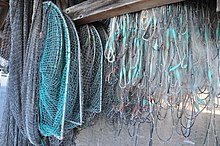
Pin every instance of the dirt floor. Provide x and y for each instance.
(102, 134)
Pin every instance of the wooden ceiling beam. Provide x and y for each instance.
(94, 10)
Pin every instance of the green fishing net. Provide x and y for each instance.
(60, 101)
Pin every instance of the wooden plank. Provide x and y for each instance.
(94, 10)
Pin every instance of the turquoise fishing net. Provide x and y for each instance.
(70, 73)
(59, 85)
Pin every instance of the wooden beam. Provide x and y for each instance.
(94, 10)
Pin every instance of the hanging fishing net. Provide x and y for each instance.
(108, 89)
(164, 60)
(60, 101)
(91, 70)
(20, 125)
(30, 84)
(5, 45)
(74, 102)
(23, 47)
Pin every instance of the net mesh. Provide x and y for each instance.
(5, 45)
(60, 90)
(19, 124)
(165, 60)
(54, 68)
(25, 35)
(162, 60)
(30, 83)
(74, 102)
(91, 70)
(108, 88)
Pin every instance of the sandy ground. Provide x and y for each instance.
(101, 134)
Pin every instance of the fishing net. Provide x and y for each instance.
(158, 62)
(53, 66)
(108, 89)
(60, 102)
(30, 83)
(91, 70)
(19, 125)
(24, 36)
(164, 60)
(74, 102)
(5, 45)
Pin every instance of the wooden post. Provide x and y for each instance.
(4, 12)
(94, 10)
(218, 6)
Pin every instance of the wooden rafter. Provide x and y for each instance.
(94, 10)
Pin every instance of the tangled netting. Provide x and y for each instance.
(165, 60)
(157, 62)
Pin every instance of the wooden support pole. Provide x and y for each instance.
(1, 34)
(4, 12)
(218, 6)
(94, 10)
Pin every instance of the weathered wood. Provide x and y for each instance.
(62, 4)
(1, 34)
(218, 6)
(3, 12)
(3, 4)
(94, 10)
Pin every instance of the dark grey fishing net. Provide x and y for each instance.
(108, 86)
(19, 121)
(30, 85)
(74, 108)
(91, 70)
(5, 45)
